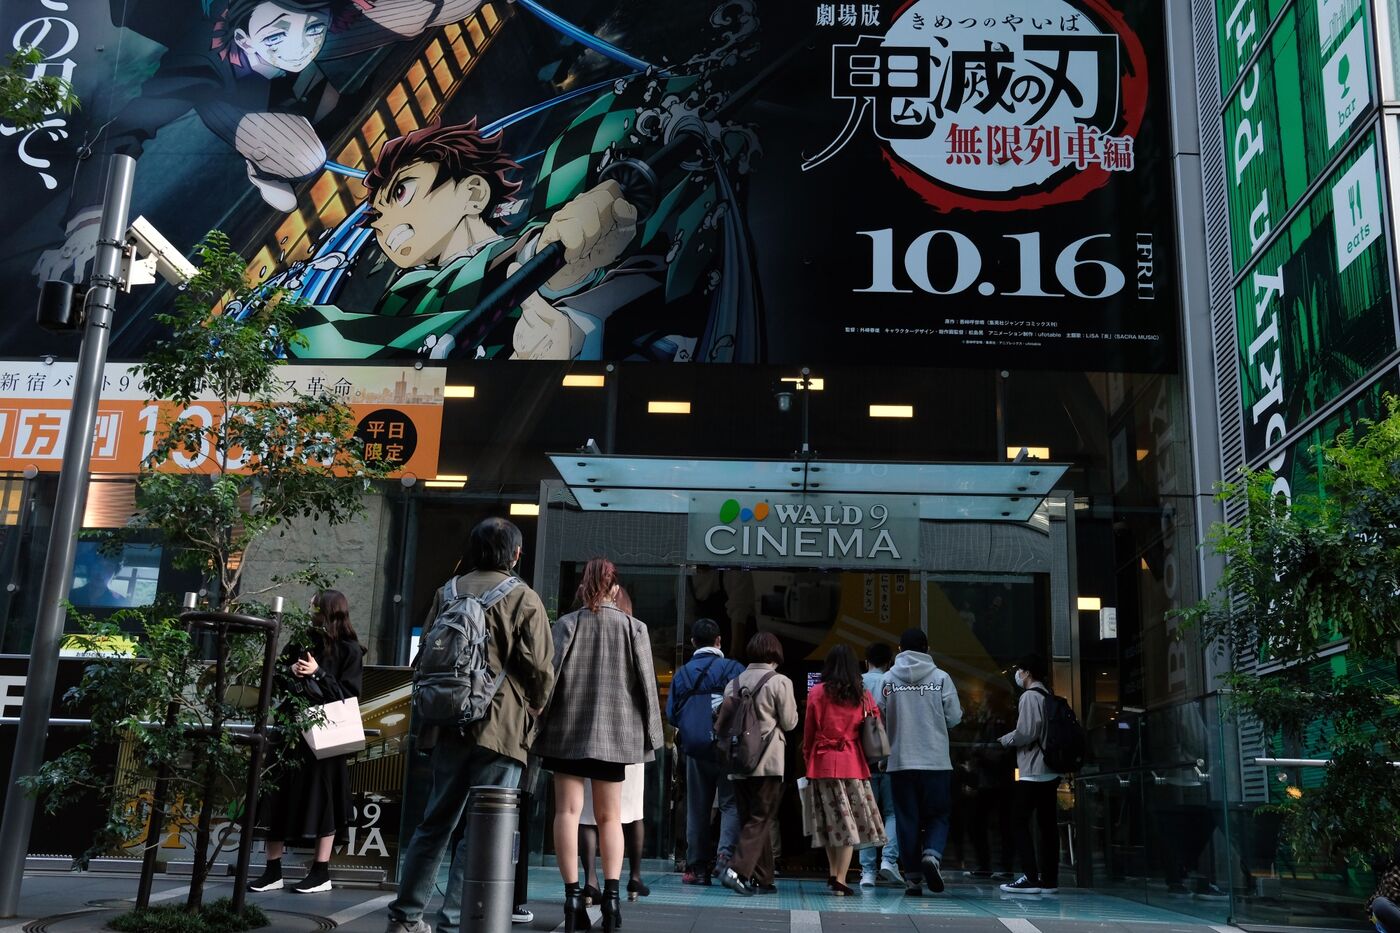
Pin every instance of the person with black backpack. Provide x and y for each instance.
(1037, 784)
(696, 692)
(482, 676)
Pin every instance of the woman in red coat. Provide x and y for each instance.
(844, 812)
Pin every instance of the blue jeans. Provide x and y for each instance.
(923, 801)
(457, 767)
(884, 798)
(703, 781)
(1387, 914)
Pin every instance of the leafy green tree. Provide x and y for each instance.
(237, 454)
(26, 101)
(1302, 579)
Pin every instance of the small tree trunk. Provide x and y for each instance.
(202, 855)
(202, 836)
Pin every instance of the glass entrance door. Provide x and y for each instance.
(978, 626)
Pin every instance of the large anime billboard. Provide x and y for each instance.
(924, 182)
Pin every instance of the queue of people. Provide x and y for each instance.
(879, 776)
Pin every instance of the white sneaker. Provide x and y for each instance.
(889, 871)
(867, 879)
(522, 914)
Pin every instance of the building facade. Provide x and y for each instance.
(1030, 281)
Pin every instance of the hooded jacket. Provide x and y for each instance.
(920, 704)
(1028, 737)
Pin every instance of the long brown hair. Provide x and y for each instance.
(599, 578)
(331, 612)
(841, 678)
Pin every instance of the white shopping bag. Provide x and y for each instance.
(342, 732)
(807, 794)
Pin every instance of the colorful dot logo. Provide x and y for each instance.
(732, 510)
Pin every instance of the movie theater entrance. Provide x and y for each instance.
(980, 556)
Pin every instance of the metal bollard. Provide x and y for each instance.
(488, 882)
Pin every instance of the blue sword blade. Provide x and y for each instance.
(583, 36)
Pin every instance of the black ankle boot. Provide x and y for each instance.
(270, 879)
(317, 880)
(612, 906)
(575, 914)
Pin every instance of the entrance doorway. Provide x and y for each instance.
(983, 563)
(978, 625)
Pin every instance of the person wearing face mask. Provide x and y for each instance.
(1036, 786)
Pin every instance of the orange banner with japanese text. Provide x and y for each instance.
(398, 412)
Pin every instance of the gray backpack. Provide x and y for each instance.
(454, 684)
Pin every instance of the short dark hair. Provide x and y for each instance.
(237, 13)
(1034, 664)
(879, 654)
(913, 639)
(492, 545)
(764, 648)
(458, 152)
(704, 633)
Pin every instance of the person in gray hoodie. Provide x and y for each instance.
(920, 704)
(1037, 787)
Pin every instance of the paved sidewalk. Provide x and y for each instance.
(798, 907)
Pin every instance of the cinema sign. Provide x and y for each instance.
(795, 530)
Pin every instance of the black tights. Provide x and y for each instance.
(633, 835)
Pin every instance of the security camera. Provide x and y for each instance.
(152, 255)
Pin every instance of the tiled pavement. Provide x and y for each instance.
(798, 907)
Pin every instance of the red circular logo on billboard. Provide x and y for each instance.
(1000, 105)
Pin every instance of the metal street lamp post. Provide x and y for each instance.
(67, 521)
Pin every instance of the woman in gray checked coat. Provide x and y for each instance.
(603, 715)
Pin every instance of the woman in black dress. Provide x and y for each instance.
(311, 806)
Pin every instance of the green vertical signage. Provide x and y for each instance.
(1242, 24)
(1314, 315)
(1301, 466)
(1299, 104)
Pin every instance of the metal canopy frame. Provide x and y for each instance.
(1000, 492)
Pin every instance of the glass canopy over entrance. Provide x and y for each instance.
(995, 492)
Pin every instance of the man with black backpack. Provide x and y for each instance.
(483, 674)
(696, 692)
(1049, 744)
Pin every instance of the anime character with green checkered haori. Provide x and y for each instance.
(445, 209)
(433, 199)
